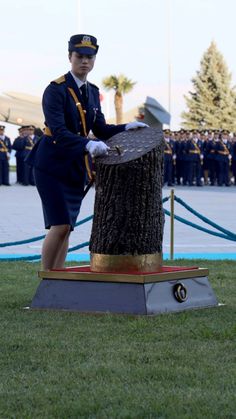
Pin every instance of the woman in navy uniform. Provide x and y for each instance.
(72, 108)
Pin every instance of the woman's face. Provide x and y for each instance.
(81, 64)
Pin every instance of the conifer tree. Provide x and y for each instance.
(212, 103)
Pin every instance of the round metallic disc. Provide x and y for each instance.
(131, 145)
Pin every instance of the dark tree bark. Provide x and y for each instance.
(128, 213)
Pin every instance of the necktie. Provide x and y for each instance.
(83, 90)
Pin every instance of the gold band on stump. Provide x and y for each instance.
(125, 263)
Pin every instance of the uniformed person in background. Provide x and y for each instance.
(183, 156)
(194, 155)
(18, 145)
(175, 137)
(169, 158)
(29, 140)
(223, 157)
(205, 167)
(71, 106)
(38, 132)
(178, 162)
(5, 152)
(210, 156)
(233, 150)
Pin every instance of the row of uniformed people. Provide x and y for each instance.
(197, 158)
(23, 144)
(189, 157)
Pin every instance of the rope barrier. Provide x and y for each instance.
(34, 239)
(227, 234)
(165, 199)
(84, 221)
(38, 257)
(79, 246)
(205, 219)
(214, 233)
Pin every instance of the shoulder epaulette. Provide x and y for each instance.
(60, 80)
(93, 85)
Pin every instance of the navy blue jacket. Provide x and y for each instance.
(62, 154)
(170, 150)
(18, 145)
(223, 151)
(210, 149)
(233, 150)
(22, 145)
(181, 152)
(193, 150)
(5, 147)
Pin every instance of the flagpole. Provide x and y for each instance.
(79, 21)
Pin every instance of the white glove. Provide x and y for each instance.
(135, 125)
(97, 148)
(230, 157)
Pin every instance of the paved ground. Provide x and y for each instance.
(21, 218)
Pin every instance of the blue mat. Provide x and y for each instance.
(84, 257)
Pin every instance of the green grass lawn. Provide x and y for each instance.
(69, 365)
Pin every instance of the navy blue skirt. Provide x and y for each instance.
(61, 202)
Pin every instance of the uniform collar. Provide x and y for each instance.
(71, 82)
(77, 80)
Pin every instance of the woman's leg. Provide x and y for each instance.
(61, 257)
(55, 247)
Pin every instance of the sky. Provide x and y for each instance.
(156, 43)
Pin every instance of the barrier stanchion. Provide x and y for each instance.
(172, 199)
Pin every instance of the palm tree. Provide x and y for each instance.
(121, 85)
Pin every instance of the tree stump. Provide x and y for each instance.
(127, 229)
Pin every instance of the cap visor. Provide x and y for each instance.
(85, 50)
